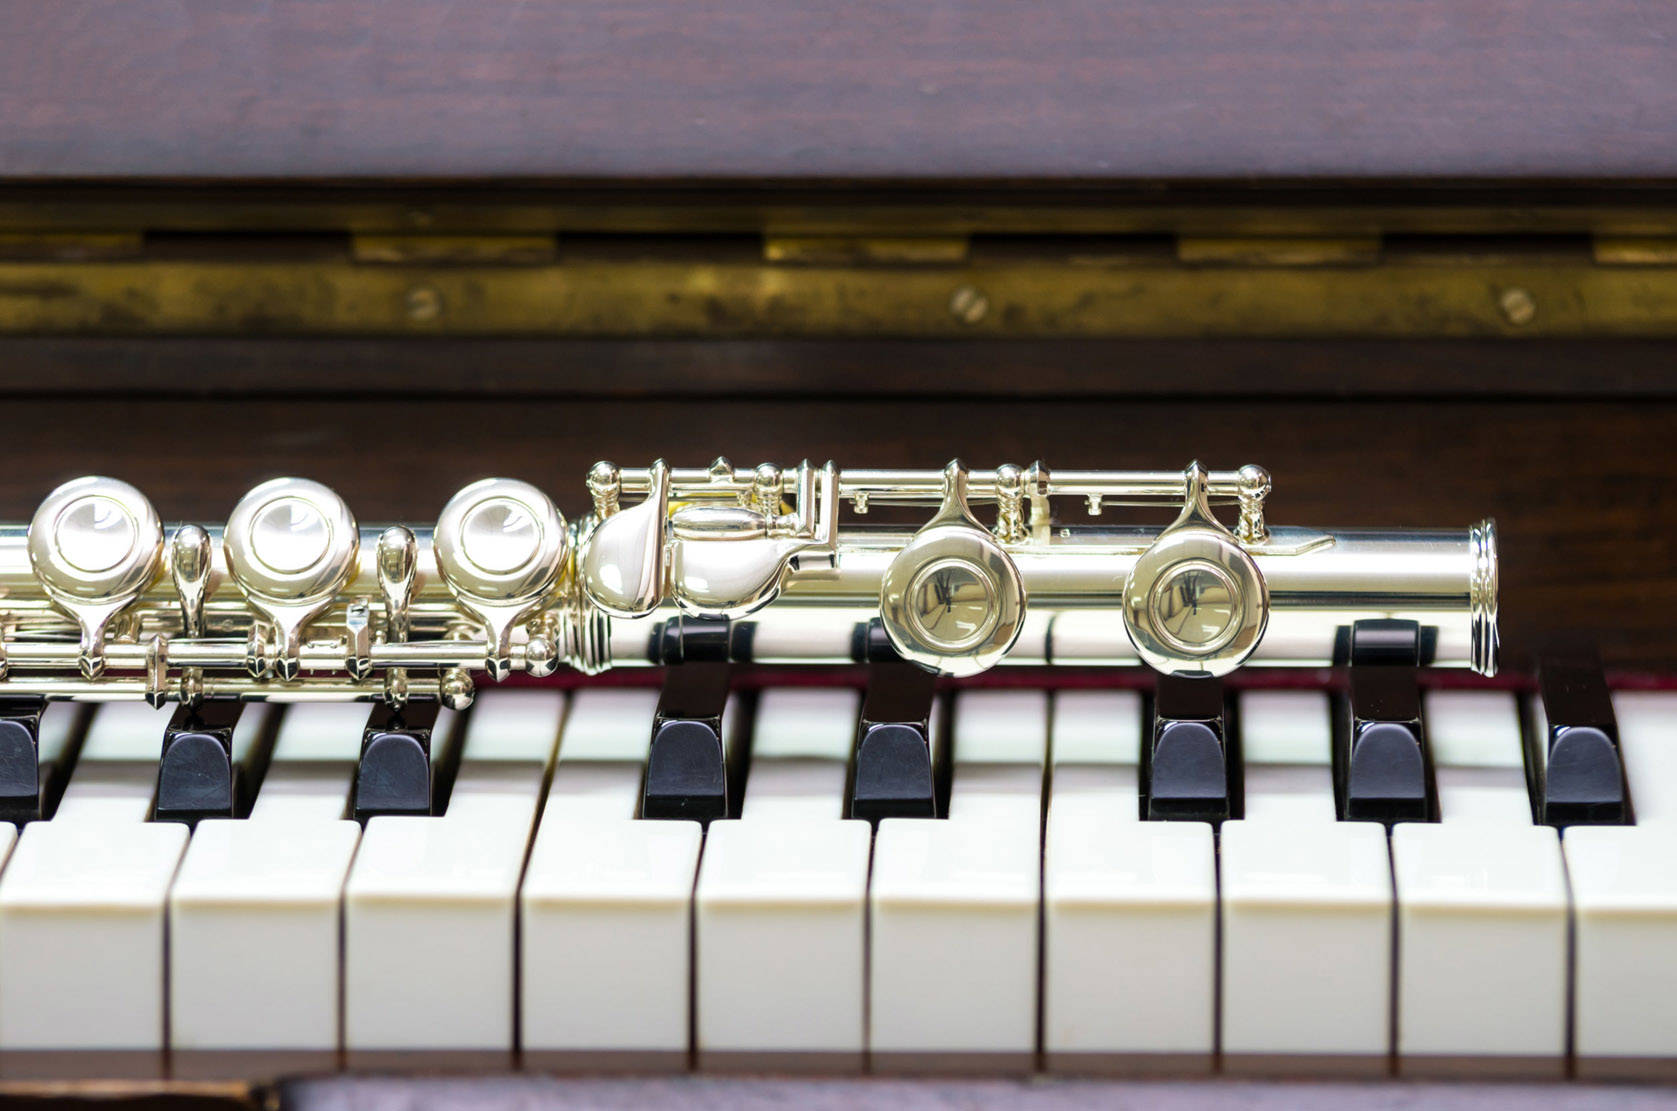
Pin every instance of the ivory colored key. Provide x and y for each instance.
(1648, 742)
(1482, 907)
(254, 931)
(63, 728)
(430, 906)
(1129, 907)
(953, 905)
(1624, 892)
(314, 750)
(1306, 906)
(82, 908)
(1479, 752)
(1286, 740)
(781, 905)
(116, 771)
(606, 904)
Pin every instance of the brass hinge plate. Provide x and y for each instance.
(463, 250)
(1636, 250)
(1143, 292)
(70, 246)
(840, 250)
(1278, 250)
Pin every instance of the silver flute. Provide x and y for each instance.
(292, 600)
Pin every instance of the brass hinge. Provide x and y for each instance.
(844, 250)
(1636, 250)
(462, 250)
(75, 246)
(1362, 250)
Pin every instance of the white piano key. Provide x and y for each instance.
(312, 769)
(1306, 906)
(1538, 722)
(1286, 744)
(82, 910)
(1114, 884)
(1478, 757)
(602, 755)
(1099, 729)
(116, 772)
(800, 748)
(780, 908)
(430, 905)
(953, 905)
(1307, 946)
(1624, 891)
(1096, 752)
(1482, 956)
(1482, 906)
(1648, 745)
(63, 726)
(606, 903)
(250, 734)
(254, 912)
(81, 942)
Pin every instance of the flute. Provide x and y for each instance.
(292, 600)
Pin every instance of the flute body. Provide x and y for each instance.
(292, 600)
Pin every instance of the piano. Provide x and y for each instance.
(1420, 260)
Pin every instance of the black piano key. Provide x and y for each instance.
(687, 767)
(196, 776)
(20, 772)
(1386, 642)
(1187, 771)
(1382, 771)
(394, 772)
(685, 639)
(893, 774)
(1579, 778)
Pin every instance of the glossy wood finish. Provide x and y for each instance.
(656, 371)
(1587, 541)
(762, 89)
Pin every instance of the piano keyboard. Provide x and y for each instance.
(1043, 923)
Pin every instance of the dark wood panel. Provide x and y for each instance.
(1076, 89)
(1580, 490)
(657, 370)
(898, 206)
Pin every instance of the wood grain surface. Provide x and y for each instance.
(1577, 488)
(657, 371)
(839, 89)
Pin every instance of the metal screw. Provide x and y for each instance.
(1518, 306)
(968, 304)
(424, 303)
